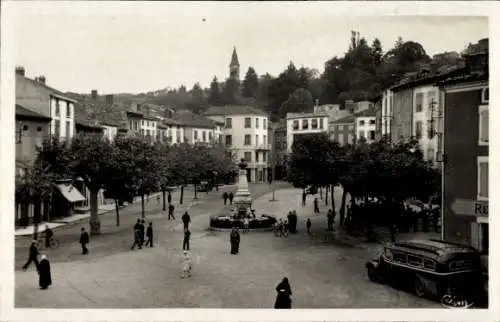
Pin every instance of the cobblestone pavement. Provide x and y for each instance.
(322, 275)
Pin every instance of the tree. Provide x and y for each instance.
(231, 92)
(91, 153)
(214, 96)
(377, 52)
(299, 101)
(250, 84)
(197, 102)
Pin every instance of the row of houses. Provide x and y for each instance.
(43, 111)
(446, 112)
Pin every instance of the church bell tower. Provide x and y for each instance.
(234, 66)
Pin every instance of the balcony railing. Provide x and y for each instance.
(263, 146)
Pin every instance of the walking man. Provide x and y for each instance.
(185, 242)
(137, 237)
(149, 235)
(246, 224)
(171, 211)
(32, 256)
(186, 220)
(235, 241)
(225, 196)
(48, 236)
(231, 197)
(84, 240)
(316, 206)
(304, 197)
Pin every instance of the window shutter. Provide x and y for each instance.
(483, 179)
(485, 126)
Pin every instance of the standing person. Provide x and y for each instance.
(285, 228)
(32, 256)
(49, 234)
(44, 276)
(235, 241)
(185, 242)
(308, 225)
(84, 240)
(186, 220)
(246, 224)
(283, 299)
(171, 211)
(231, 197)
(316, 206)
(169, 197)
(186, 265)
(304, 198)
(329, 219)
(149, 235)
(225, 196)
(137, 236)
(281, 227)
(142, 228)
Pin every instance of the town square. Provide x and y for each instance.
(294, 167)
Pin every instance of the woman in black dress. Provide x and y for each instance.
(235, 241)
(283, 299)
(45, 278)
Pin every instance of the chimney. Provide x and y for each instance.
(93, 94)
(109, 99)
(20, 70)
(40, 79)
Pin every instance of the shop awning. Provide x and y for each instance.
(70, 192)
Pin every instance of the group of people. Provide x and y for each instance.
(228, 196)
(281, 228)
(141, 233)
(42, 266)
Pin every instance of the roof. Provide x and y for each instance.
(346, 119)
(26, 113)
(45, 86)
(366, 113)
(465, 78)
(416, 79)
(434, 245)
(304, 115)
(88, 111)
(234, 58)
(234, 110)
(191, 119)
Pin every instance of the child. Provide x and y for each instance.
(308, 226)
(186, 265)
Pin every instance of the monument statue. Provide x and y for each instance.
(243, 198)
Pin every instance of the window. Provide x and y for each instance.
(57, 128)
(256, 139)
(248, 122)
(68, 129)
(361, 134)
(58, 112)
(178, 137)
(295, 124)
(256, 122)
(68, 110)
(25, 128)
(39, 129)
(248, 139)
(361, 123)
(314, 124)
(305, 124)
(482, 178)
(483, 125)
(142, 122)
(204, 136)
(229, 123)
(340, 127)
(419, 101)
(256, 156)
(485, 95)
(399, 257)
(321, 125)
(430, 154)
(248, 156)
(351, 127)
(229, 140)
(210, 136)
(372, 135)
(418, 130)
(195, 135)
(341, 138)
(265, 140)
(372, 122)
(264, 123)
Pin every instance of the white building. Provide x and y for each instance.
(365, 125)
(109, 131)
(149, 126)
(246, 134)
(425, 108)
(304, 123)
(386, 118)
(197, 128)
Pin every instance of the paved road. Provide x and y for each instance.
(322, 275)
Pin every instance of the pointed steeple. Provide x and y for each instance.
(234, 59)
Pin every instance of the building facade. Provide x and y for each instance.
(333, 111)
(304, 123)
(343, 130)
(402, 114)
(246, 134)
(386, 113)
(365, 125)
(466, 152)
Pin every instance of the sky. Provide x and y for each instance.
(80, 47)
